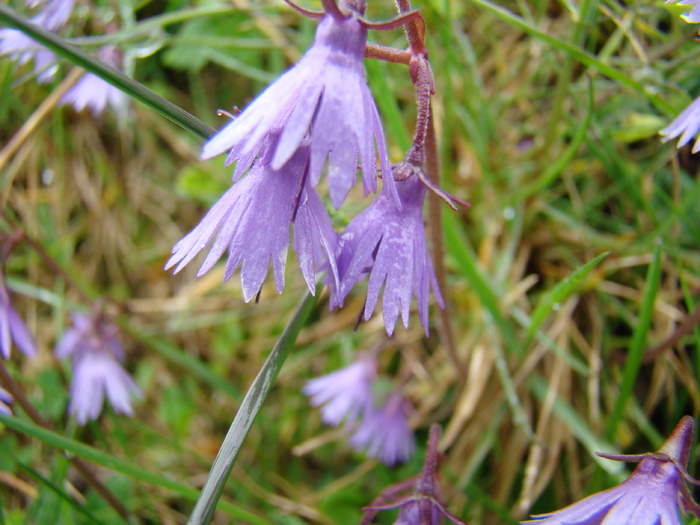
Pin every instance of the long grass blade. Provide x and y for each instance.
(638, 343)
(107, 73)
(226, 457)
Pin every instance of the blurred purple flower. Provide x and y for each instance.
(252, 222)
(384, 433)
(692, 17)
(12, 328)
(5, 399)
(346, 394)
(651, 496)
(22, 48)
(93, 345)
(686, 125)
(324, 98)
(90, 91)
(389, 244)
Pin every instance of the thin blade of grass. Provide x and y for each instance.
(638, 343)
(226, 457)
(558, 294)
(107, 73)
(120, 465)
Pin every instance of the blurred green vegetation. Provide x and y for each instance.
(547, 116)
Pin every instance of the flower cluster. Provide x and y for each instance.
(93, 346)
(378, 424)
(318, 117)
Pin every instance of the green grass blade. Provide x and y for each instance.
(558, 294)
(120, 465)
(226, 457)
(107, 73)
(457, 248)
(578, 427)
(577, 53)
(638, 343)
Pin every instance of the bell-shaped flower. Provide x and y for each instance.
(384, 433)
(12, 328)
(323, 99)
(93, 93)
(652, 495)
(346, 394)
(93, 346)
(252, 222)
(389, 245)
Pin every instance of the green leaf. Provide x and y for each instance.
(226, 457)
(558, 294)
(638, 343)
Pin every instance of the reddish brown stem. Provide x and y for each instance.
(387, 54)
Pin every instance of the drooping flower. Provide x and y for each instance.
(389, 244)
(91, 92)
(93, 345)
(325, 99)
(22, 48)
(344, 395)
(252, 222)
(686, 125)
(693, 16)
(652, 495)
(5, 400)
(421, 504)
(12, 328)
(384, 433)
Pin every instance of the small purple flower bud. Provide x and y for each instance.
(93, 345)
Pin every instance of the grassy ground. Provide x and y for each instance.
(547, 116)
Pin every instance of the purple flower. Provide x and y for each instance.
(22, 48)
(93, 345)
(5, 399)
(693, 17)
(651, 496)
(12, 328)
(325, 99)
(252, 222)
(384, 433)
(92, 92)
(346, 394)
(389, 245)
(686, 125)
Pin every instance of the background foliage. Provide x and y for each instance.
(547, 115)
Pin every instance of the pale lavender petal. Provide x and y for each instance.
(5, 400)
(12, 327)
(343, 395)
(693, 16)
(687, 124)
(20, 334)
(69, 343)
(385, 434)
